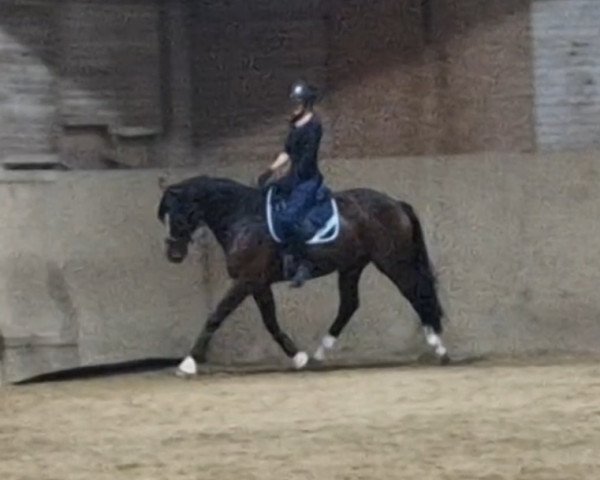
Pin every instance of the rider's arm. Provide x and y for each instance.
(276, 170)
(280, 161)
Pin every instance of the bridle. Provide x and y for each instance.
(169, 239)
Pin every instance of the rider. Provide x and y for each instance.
(301, 179)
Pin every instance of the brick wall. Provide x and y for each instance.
(567, 73)
(74, 71)
(399, 80)
(27, 81)
(244, 56)
(380, 79)
(392, 87)
(483, 76)
(109, 63)
(452, 80)
(109, 81)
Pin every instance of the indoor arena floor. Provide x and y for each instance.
(491, 421)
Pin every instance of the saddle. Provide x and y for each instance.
(321, 224)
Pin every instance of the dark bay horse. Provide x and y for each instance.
(375, 228)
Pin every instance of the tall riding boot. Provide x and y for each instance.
(289, 265)
(302, 275)
(302, 271)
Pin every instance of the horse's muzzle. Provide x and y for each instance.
(176, 251)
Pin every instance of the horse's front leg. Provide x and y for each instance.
(232, 299)
(266, 304)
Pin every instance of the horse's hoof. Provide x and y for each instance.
(187, 368)
(327, 343)
(319, 356)
(300, 360)
(181, 374)
(445, 359)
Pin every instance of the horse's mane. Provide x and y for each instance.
(210, 183)
(217, 192)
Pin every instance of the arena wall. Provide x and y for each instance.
(169, 84)
(83, 279)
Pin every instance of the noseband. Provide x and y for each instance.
(169, 239)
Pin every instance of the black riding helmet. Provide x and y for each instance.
(302, 92)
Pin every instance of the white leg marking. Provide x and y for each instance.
(327, 343)
(168, 224)
(188, 366)
(319, 355)
(300, 360)
(434, 340)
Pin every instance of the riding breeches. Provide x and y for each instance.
(299, 202)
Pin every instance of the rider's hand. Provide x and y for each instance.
(264, 178)
(282, 171)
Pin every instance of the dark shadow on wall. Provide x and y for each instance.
(245, 56)
(26, 90)
(401, 77)
(392, 72)
(33, 24)
(104, 79)
(430, 76)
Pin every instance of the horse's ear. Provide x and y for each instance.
(162, 183)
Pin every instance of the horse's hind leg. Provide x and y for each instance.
(349, 302)
(416, 282)
(266, 304)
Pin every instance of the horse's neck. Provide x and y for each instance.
(226, 210)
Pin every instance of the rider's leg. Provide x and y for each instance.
(302, 272)
(300, 200)
(295, 266)
(289, 259)
(290, 220)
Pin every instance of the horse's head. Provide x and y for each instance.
(182, 217)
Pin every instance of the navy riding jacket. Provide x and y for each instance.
(302, 145)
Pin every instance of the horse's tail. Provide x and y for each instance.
(424, 267)
(421, 257)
